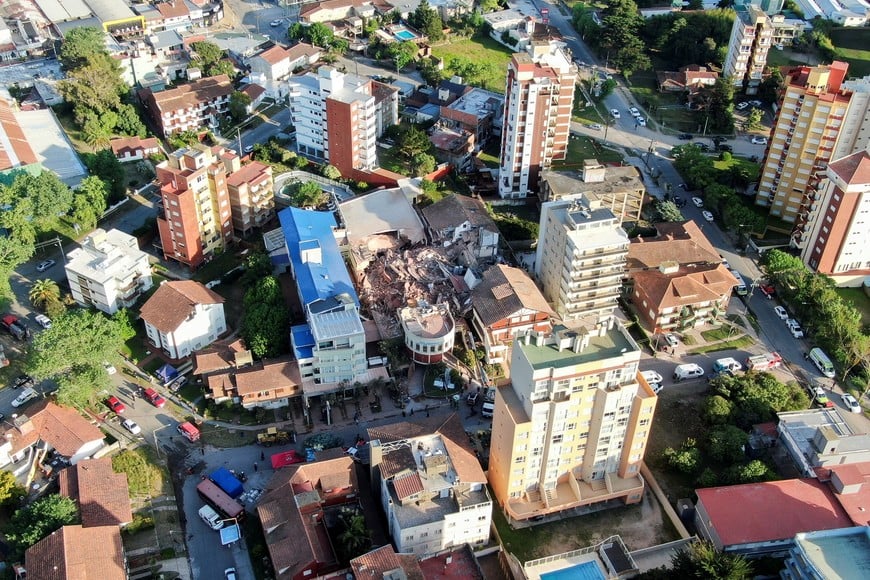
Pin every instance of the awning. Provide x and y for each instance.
(166, 373)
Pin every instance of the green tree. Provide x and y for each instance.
(44, 293)
(81, 386)
(753, 121)
(207, 52)
(403, 53)
(489, 6)
(306, 194)
(331, 172)
(667, 211)
(768, 91)
(10, 491)
(89, 201)
(319, 34)
(686, 459)
(129, 121)
(106, 166)
(783, 267)
(80, 44)
(34, 522)
(48, 195)
(413, 142)
(264, 326)
(125, 321)
(720, 106)
(422, 164)
(239, 103)
(695, 167)
(727, 443)
(717, 410)
(427, 20)
(354, 535)
(94, 88)
(702, 560)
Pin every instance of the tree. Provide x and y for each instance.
(238, 106)
(94, 88)
(427, 20)
(264, 327)
(124, 320)
(489, 6)
(207, 52)
(10, 492)
(106, 166)
(403, 53)
(412, 142)
(422, 164)
(702, 560)
(768, 91)
(353, 535)
(44, 293)
(717, 410)
(686, 459)
(48, 195)
(727, 443)
(667, 211)
(319, 34)
(331, 172)
(129, 122)
(79, 44)
(720, 105)
(34, 522)
(753, 121)
(81, 386)
(89, 201)
(306, 194)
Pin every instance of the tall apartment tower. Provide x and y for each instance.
(816, 123)
(838, 241)
(571, 427)
(338, 117)
(537, 116)
(196, 219)
(581, 258)
(751, 38)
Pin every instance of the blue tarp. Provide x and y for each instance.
(166, 373)
(227, 482)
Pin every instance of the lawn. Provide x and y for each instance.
(720, 333)
(581, 148)
(737, 343)
(490, 154)
(751, 167)
(669, 112)
(857, 298)
(479, 61)
(854, 45)
(220, 265)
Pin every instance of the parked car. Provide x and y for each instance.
(795, 328)
(593, 126)
(230, 574)
(45, 265)
(820, 398)
(177, 383)
(640, 121)
(741, 106)
(275, 23)
(687, 371)
(725, 148)
(131, 426)
(685, 136)
(614, 113)
(634, 112)
(781, 312)
(25, 396)
(672, 339)
(851, 403)
(110, 368)
(768, 290)
(248, 148)
(703, 147)
(756, 103)
(707, 215)
(115, 404)
(471, 399)
(15, 326)
(43, 321)
(651, 377)
(23, 381)
(759, 140)
(698, 202)
(727, 364)
(154, 398)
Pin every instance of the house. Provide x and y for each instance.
(277, 62)
(851, 486)
(464, 220)
(183, 316)
(78, 553)
(134, 148)
(267, 383)
(193, 106)
(44, 426)
(429, 332)
(476, 111)
(688, 79)
(102, 496)
(256, 93)
(16, 151)
(770, 514)
(507, 304)
(677, 278)
(291, 511)
(221, 356)
(430, 485)
(384, 561)
(453, 146)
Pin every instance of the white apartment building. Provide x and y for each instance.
(581, 256)
(431, 486)
(537, 116)
(854, 133)
(751, 39)
(182, 317)
(108, 271)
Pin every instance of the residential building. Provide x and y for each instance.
(134, 148)
(770, 514)
(507, 304)
(476, 111)
(338, 117)
(751, 39)
(291, 512)
(851, 485)
(429, 332)
(252, 197)
(677, 278)
(453, 146)
(843, 12)
(270, 384)
(689, 79)
(841, 553)
(102, 496)
(820, 438)
(838, 241)
(580, 260)
(814, 116)
(787, 30)
(430, 485)
(770, 7)
(44, 426)
(15, 150)
(459, 219)
(334, 10)
(277, 62)
(108, 271)
(196, 105)
(619, 189)
(183, 316)
(195, 219)
(76, 552)
(384, 562)
(571, 427)
(539, 95)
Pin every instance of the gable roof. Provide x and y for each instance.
(192, 94)
(455, 210)
(60, 427)
(219, 356)
(123, 145)
(78, 553)
(681, 242)
(505, 290)
(102, 495)
(174, 302)
(853, 169)
(377, 563)
(688, 285)
(275, 54)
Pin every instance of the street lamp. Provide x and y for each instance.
(157, 443)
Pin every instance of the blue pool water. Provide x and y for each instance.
(405, 35)
(585, 571)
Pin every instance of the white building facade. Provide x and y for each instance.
(183, 317)
(751, 39)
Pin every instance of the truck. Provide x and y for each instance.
(15, 326)
(219, 500)
(229, 483)
(273, 436)
(764, 362)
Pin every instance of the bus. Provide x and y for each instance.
(822, 362)
(218, 499)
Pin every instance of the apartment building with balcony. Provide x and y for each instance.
(814, 123)
(621, 189)
(571, 427)
(108, 271)
(539, 95)
(183, 316)
(200, 104)
(838, 236)
(751, 39)
(252, 199)
(338, 117)
(580, 260)
(195, 219)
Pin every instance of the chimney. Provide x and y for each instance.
(669, 267)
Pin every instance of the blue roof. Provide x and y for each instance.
(303, 341)
(306, 231)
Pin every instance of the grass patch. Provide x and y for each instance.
(223, 437)
(676, 419)
(588, 115)
(480, 61)
(778, 58)
(751, 167)
(145, 474)
(852, 44)
(857, 298)
(582, 148)
(490, 154)
(516, 222)
(736, 319)
(720, 333)
(740, 342)
(134, 349)
(669, 112)
(217, 267)
(390, 160)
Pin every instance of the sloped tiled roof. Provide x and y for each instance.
(102, 495)
(123, 145)
(681, 242)
(408, 485)
(174, 302)
(854, 169)
(77, 553)
(455, 210)
(397, 462)
(503, 291)
(377, 563)
(218, 357)
(689, 285)
(60, 427)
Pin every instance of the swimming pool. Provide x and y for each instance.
(404, 35)
(584, 571)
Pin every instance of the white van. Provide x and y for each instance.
(822, 362)
(211, 517)
(487, 410)
(687, 371)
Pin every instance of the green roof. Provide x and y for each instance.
(613, 344)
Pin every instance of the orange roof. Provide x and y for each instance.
(102, 495)
(275, 54)
(219, 356)
(132, 144)
(250, 173)
(853, 169)
(192, 94)
(174, 302)
(689, 285)
(681, 242)
(78, 553)
(172, 9)
(281, 377)
(15, 150)
(380, 561)
(60, 427)
(856, 504)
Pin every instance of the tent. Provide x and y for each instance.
(227, 482)
(166, 373)
(280, 460)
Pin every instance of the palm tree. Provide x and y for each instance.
(44, 293)
(354, 537)
(703, 560)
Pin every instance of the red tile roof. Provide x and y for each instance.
(77, 553)
(60, 427)
(102, 495)
(681, 242)
(461, 564)
(218, 357)
(408, 485)
(856, 504)
(854, 169)
(275, 54)
(125, 145)
(172, 9)
(192, 94)
(377, 563)
(253, 90)
(774, 510)
(19, 151)
(174, 302)
(250, 173)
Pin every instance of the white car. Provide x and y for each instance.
(43, 321)
(851, 403)
(687, 371)
(26, 395)
(110, 368)
(698, 202)
(634, 112)
(614, 113)
(781, 312)
(131, 426)
(795, 328)
(741, 106)
(707, 216)
(759, 140)
(640, 121)
(672, 339)
(651, 377)
(275, 23)
(248, 148)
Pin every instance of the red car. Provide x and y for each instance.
(154, 398)
(768, 290)
(115, 405)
